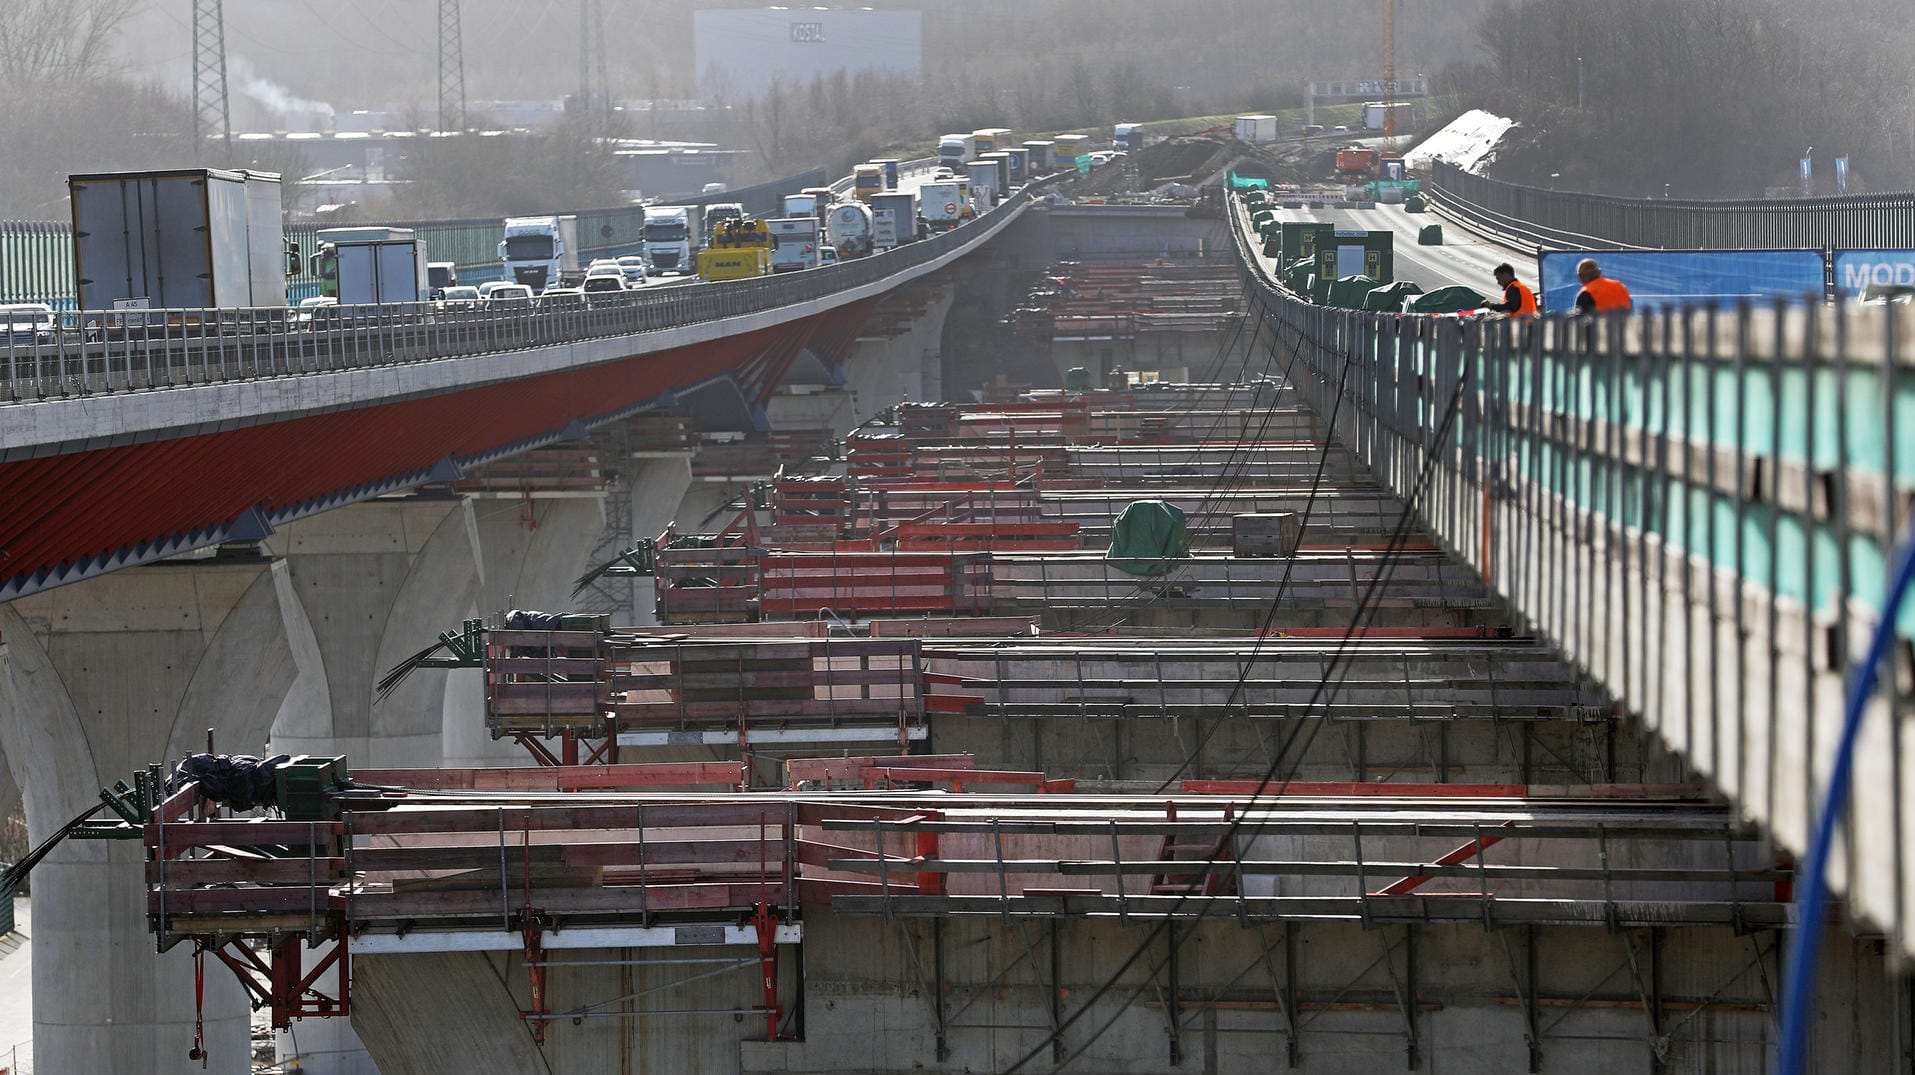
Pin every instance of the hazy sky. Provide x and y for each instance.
(361, 53)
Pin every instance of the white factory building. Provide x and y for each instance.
(740, 51)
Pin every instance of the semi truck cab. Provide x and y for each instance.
(668, 238)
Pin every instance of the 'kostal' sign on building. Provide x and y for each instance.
(739, 52)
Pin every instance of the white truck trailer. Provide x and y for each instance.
(188, 238)
(794, 243)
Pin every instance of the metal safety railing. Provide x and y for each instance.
(36, 257)
(1698, 507)
(127, 351)
(1573, 220)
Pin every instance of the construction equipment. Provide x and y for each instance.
(740, 249)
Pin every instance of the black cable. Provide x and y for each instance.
(1283, 584)
(11, 877)
(1235, 827)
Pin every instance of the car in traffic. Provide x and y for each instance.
(502, 295)
(634, 268)
(562, 298)
(459, 297)
(827, 256)
(29, 323)
(599, 285)
(316, 311)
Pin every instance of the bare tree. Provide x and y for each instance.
(58, 41)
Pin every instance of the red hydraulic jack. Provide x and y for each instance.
(536, 1015)
(767, 929)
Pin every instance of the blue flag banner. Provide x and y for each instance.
(1662, 278)
(1858, 270)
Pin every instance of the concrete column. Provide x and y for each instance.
(99, 679)
(378, 581)
(531, 552)
(427, 1014)
(659, 484)
(881, 372)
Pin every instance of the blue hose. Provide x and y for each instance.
(1805, 947)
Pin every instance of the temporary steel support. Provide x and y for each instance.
(613, 591)
(535, 1013)
(284, 984)
(211, 116)
(943, 1043)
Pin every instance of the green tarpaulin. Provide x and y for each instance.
(1389, 298)
(1430, 235)
(1348, 291)
(1147, 535)
(1448, 300)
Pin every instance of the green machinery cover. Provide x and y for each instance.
(1148, 535)
(1448, 300)
(1348, 292)
(1390, 297)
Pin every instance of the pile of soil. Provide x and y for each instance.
(1197, 159)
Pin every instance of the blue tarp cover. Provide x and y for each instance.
(1662, 278)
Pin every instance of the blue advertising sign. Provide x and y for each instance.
(1858, 270)
(1664, 278)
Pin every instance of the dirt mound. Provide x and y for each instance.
(1198, 159)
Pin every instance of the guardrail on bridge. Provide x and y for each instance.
(36, 257)
(1697, 507)
(184, 347)
(1572, 220)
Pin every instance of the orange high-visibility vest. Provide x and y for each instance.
(1607, 294)
(1526, 304)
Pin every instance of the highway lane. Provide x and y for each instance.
(1462, 259)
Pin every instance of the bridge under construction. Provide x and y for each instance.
(1365, 692)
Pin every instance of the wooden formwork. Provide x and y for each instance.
(743, 684)
(545, 682)
(541, 472)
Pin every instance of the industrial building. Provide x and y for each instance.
(739, 53)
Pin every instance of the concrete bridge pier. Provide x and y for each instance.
(659, 482)
(531, 551)
(900, 360)
(99, 679)
(378, 581)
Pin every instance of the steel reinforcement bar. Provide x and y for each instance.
(1697, 507)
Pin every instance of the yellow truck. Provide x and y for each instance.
(740, 249)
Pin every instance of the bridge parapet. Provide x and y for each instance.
(1697, 507)
(1572, 219)
(109, 353)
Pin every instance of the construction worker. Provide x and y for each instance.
(1518, 299)
(1600, 294)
